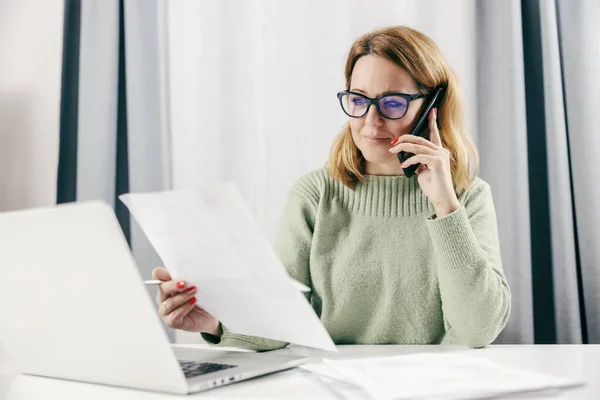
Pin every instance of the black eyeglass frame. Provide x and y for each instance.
(375, 102)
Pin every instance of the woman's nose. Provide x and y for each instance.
(373, 118)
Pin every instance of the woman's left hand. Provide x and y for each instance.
(434, 174)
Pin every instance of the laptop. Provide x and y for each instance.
(74, 306)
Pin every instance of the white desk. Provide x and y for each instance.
(573, 361)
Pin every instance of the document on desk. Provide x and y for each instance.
(437, 376)
(211, 239)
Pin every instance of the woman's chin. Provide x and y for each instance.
(379, 157)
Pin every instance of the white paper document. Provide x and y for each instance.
(211, 240)
(436, 376)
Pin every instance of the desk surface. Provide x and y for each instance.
(571, 361)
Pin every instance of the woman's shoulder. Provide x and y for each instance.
(477, 187)
(311, 185)
(478, 193)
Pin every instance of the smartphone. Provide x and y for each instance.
(420, 128)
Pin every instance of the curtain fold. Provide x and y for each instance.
(66, 187)
(539, 180)
(89, 125)
(502, 143)
(578, 33)
(567, 322)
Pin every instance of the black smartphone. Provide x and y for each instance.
(421, 128)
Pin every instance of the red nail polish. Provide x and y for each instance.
(192, 300)
(180, 285)
(394, 141)
(191, 288)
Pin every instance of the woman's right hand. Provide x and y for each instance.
(177, 306)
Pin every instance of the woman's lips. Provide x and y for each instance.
(377, 140)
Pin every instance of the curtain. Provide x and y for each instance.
(536, 141)
(575, 60)
(113, 135)
(252, 85)
(502, 146)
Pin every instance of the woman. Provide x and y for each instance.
(390, 259)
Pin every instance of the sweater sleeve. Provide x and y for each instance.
(476, 298)
(292, 246)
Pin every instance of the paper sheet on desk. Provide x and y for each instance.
(439, 376)
(211, 240)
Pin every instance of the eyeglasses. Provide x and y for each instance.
(390, 105)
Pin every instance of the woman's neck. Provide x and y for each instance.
(387, 169)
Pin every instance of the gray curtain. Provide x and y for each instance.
(502, 142)
(93, 159)
(113, 120)
(537, 86)
(580, 45)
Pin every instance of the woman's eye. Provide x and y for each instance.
(393, 104)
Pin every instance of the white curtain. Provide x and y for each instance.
(253, 83)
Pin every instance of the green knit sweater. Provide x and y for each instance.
(384, 270)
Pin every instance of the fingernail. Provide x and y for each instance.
(191, 288)
(180, 285)
(435, 112)
(394, 141)
(192, 300)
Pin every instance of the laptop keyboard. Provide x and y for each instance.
(196, 368)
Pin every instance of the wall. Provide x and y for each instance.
(30, 70)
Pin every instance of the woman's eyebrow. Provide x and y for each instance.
(381, 94)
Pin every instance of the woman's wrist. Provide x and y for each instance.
(217, 331)
(441, 210)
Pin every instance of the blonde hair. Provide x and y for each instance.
(421, 58)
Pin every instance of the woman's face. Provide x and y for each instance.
(372, 133)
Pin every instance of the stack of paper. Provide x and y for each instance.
(434, 376)
(211, 240)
